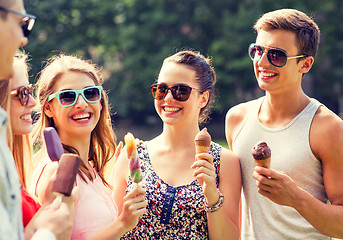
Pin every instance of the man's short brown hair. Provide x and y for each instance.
(306, 30)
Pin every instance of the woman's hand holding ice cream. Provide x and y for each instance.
(204, 171)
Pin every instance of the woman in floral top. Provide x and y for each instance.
(187, 199)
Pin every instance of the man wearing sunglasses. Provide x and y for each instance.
(54, 220)
(289, 199)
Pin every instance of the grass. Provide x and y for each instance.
(222, 142)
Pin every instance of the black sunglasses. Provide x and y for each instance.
(27, 22)
(23, 93)
(180, 92)
(276, 57)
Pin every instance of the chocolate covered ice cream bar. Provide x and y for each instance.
(66, 174)
(53, 144)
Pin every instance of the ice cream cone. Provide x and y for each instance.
(261, 154)
(202, 148)
(263, 162)
(202, 141)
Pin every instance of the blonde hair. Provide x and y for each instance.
(102, 147)
(21, 144)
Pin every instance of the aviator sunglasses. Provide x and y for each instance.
(23, 93)
(67, 98)
(180, 92)
(27, 22)
(276, 57)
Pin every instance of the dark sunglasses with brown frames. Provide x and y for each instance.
(23, 93)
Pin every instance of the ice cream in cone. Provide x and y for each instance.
(202, 141)
(261, 154)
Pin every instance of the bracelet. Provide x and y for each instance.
(215, 207)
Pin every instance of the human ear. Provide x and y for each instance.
(204, 99)
(306, 64)
(47, 110)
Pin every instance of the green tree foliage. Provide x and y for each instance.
(130, 39)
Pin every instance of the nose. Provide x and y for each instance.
(32, 102)
(80, 102)
(169, 95)
(264, 59)
(24, 41)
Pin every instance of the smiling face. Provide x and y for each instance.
(279, 79)
(79, 119)
(172, 111)
(21, 121)
(11, 39)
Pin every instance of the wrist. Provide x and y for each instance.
(300, 200)
(212, 199)
(215, 206)
(120, 226)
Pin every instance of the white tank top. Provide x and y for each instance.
(291, 153)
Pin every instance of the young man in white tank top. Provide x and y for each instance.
(289, 200)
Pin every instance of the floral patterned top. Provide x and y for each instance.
(172, 212)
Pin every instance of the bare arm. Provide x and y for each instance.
(131, 205)
(44, 184)
(57, 217)
(326, 140)
(224, 223)
(118, 179)
(134, 206)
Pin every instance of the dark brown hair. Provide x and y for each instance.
(205, 76)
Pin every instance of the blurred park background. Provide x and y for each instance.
(130, 38)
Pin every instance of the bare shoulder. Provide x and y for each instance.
(326, 132)
(238, 112)
(229, 163)
(45, 181)
(234, 118)
(49, 169)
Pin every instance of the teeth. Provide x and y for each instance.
(81, 116)
(171, 109)
(264, 74)
(25, 117)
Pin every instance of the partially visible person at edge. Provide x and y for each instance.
(55, 220)
(72, 101)
(22, 104)
(289, 200)
(187, 199)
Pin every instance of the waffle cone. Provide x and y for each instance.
(263, 162)
(202, 149)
